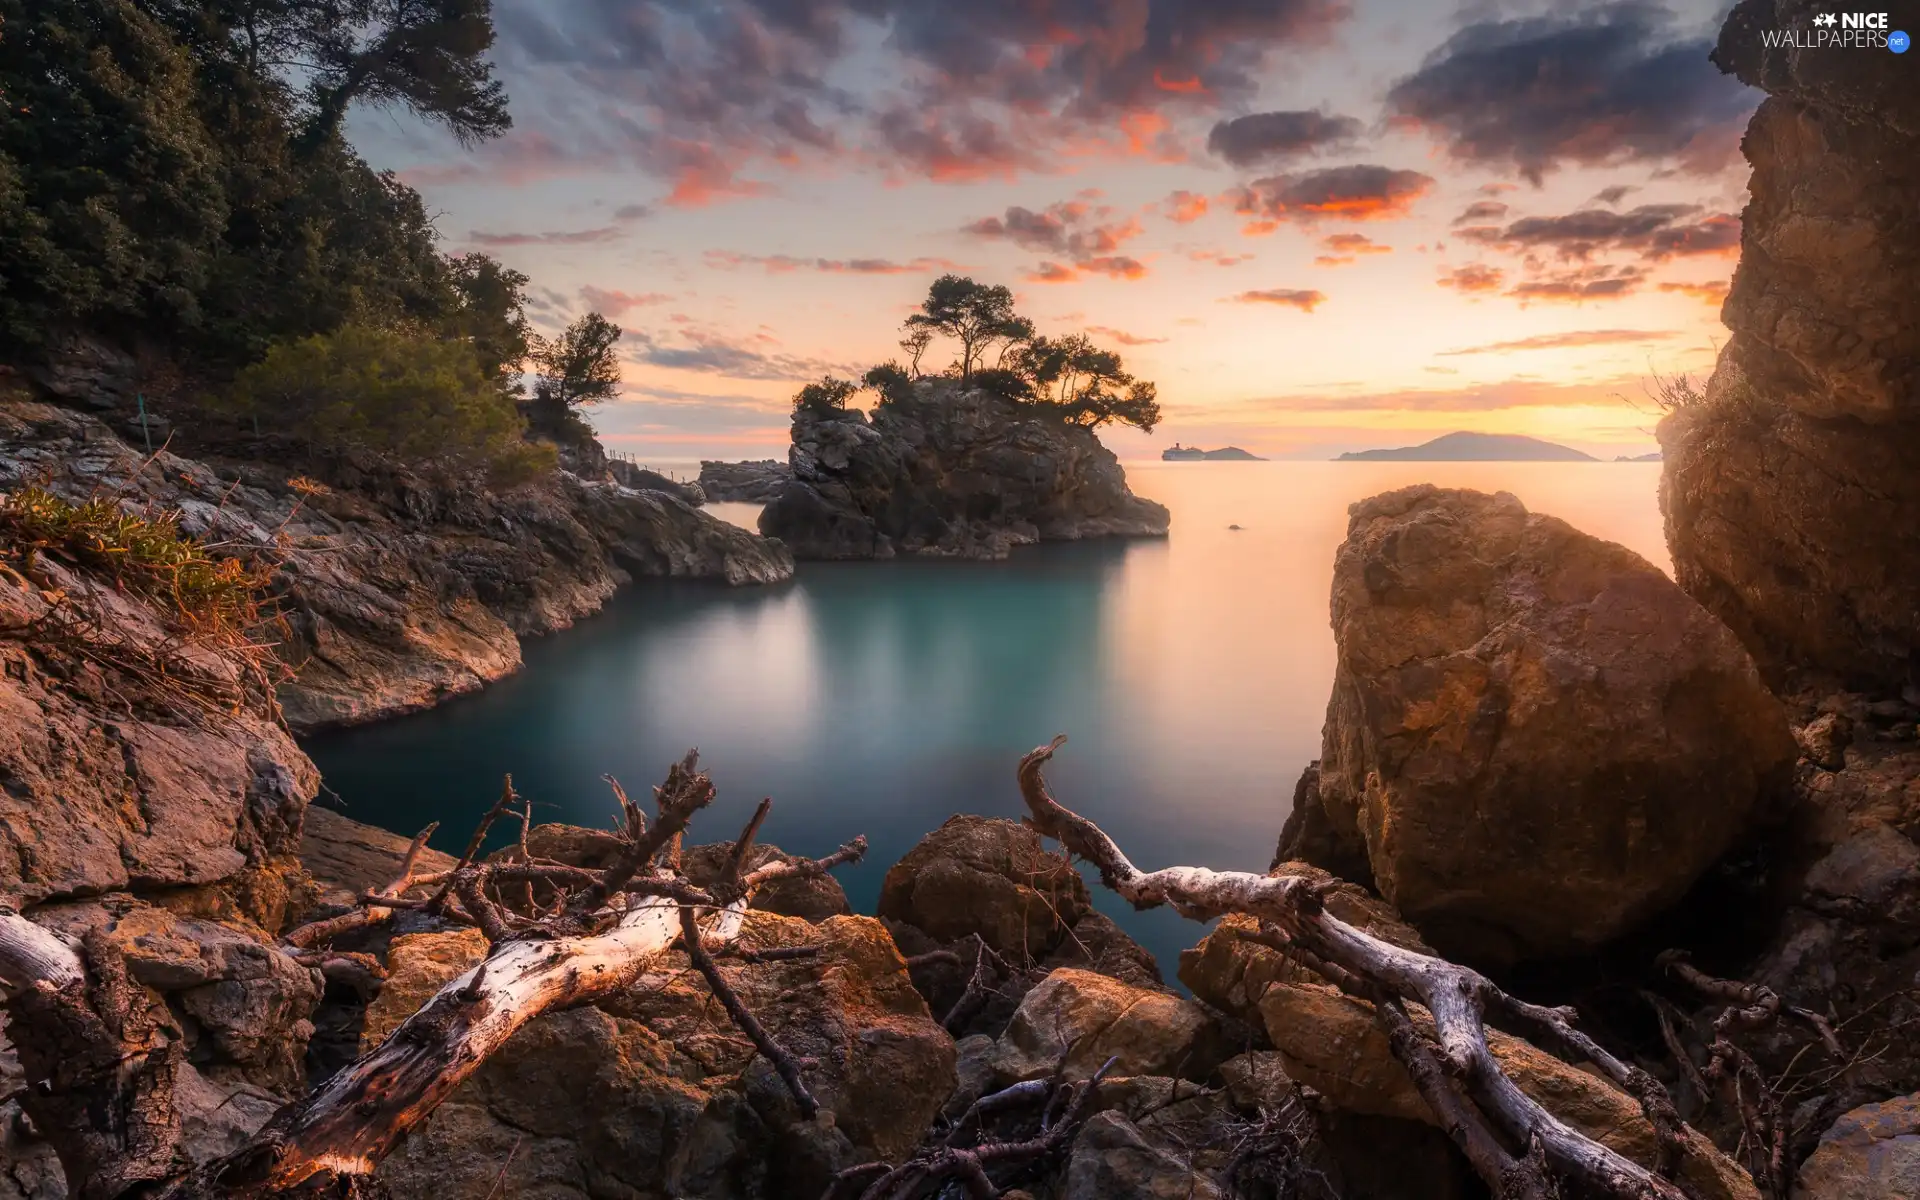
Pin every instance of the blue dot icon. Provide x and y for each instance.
(1898, 41)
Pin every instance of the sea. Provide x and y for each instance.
(1189, 674)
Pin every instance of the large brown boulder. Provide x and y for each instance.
(1538, 739)
(1074, 1021)
(1786, 488)
(656, 1093)
(986, 876)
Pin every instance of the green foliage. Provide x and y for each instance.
(1003, 381)
(579, 366)
(825, 398)
(156, 177)
(977, 316)
(891, 380)
(421, 399)
(144, 554)
(491, 317)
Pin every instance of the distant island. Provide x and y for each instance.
(1474, 447)
(1179, 453)
(1651, 456)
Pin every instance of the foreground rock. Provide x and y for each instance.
(994, 878)
(953, 473)
(1331, 1043)
(1872, 1153)
(1074, 1021)
(1779, 487)
(749, 482)
(399, 591)
(1536, 737)
(660, 1095)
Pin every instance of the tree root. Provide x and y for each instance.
(1484, 1111)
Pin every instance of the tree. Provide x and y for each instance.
(492, 314)
(579, 366)
(825, 398)
(893, 381)
(1085, 384)
(420, 399)
(427, 56)
(915, 344)
(975, 315)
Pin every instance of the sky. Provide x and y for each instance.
(1317, 225)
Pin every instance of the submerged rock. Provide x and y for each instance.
(953, 473)
(1782, 484)
(1537, 738)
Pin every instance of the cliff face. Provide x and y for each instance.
(1789, 492)
(399, 591)
(962, 474)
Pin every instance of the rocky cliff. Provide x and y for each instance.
(947, 472)
(398, 590)
(1787, 489)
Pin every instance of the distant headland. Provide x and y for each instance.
(1179, 453)
(1474, 447)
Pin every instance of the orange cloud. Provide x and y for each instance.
(1362, 192)
(1124, 338)
(1711, 293)
(1475, 277)
(1561, 341)
(1306, 300)
(613, 303)
(1218, 258)
(1184, 207)
(1345, 248)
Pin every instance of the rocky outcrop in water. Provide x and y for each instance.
(1536, 737)
(398, 590)
(953, 473)
(640, 479)
(754, 482)
(1785, 486)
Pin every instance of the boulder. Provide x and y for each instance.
(1074, 1021)
(418, 966)
(1114, 1160)
(656, 1093)
(1331, 1043)
(949, 472)
(991, 877)
(1780, 483)
(348, 859)
(1872, 1153)
(246, 1008)
(813, 899)
(1539, 740)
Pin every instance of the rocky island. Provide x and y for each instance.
(1604, 884)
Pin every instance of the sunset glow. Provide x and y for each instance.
(1318, 226)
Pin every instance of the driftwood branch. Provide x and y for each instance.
(1493, 1109)
(102, 1056)
(1749, 1006)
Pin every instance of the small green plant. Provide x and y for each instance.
(419, 399)
(825, 398)
(147, 555)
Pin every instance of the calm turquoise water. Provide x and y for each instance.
(1191, 676)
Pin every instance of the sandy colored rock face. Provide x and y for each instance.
(1331, 1043)
(1537, 737)
(418, 965)
(656, 1093)
(952, 474)
(986, 876)
(1076, 1020)
(1872, 1153)
(1780, 491)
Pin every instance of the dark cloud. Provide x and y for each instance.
(1612, 83)
(780, 264)
(1273, 136)
(752, 357)
(707, 93)
(1481, 210)
(1353, 193)
(1561, 341)
(1089, 236)
(1580, 284)
(1614, 194)
(572, 237)
(1304, 299)
(1653, 231)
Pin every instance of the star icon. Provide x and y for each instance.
(1826, 19)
